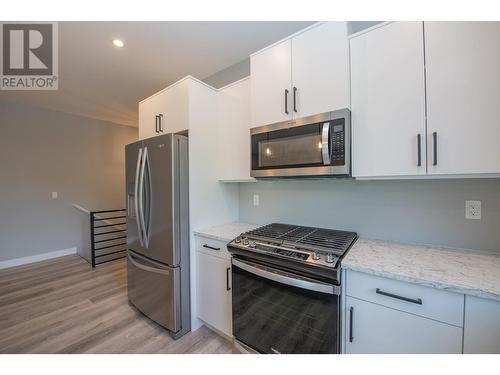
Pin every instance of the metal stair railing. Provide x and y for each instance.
(108, 236)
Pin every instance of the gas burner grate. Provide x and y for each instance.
(314, 239)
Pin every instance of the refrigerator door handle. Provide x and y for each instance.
(141, 197)
(146, 268)
(147, 231)
(136, 195)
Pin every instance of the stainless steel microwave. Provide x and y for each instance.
(318, 145)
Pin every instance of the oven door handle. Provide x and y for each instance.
(287, 279)
(325, 144)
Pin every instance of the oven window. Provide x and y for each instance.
(293, 147)
(272, 317)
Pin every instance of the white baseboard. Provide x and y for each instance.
(36, 258)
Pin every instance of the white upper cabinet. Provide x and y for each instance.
(301, 76)
(149, 111)
(234, 132)
(166, 111)
(388, 101)
(174, 117)
(320, 70)
(271, 72)
(463, 96)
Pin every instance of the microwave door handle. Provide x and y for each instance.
(325, 144)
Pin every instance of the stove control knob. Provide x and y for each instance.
(252, 244)
(316, 256)
(330, 258)
(245, 241)
(237, 239)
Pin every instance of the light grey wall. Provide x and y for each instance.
(357, 26)
(415, 211)
(43, 151)
(230, 74)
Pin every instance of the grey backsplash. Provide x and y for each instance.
(414, 211)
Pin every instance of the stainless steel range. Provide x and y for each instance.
(286, 288)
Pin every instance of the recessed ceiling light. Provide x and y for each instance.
(118, 43)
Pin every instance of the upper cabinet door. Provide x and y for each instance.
(463, 96)
(320, 70)
(174, 112)
(271, 84)
(149, 109)
(388, 101)
(234, 132)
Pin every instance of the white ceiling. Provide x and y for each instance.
(100, 81)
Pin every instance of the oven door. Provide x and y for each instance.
(280, 312)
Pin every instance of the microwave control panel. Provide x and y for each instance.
(337, 136)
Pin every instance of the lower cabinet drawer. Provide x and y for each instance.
(212, 247)
(373, 329)
(437, 304)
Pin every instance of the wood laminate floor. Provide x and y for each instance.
(64, 306)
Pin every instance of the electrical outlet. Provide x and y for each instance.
(256, 199)
(54, 195)
(473, 210)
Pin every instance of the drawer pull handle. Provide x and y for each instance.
(418, 301)
(211, 247)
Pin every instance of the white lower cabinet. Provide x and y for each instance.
(214, 292)
(383, 315)
(482, 326)
(372, 328)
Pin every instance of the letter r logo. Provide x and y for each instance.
(27, 49)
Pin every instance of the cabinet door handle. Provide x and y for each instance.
(286, 101)
(211, 247)
(295, 99)
(227, 278)
(418, 301)
(435, 147)
(351, 314)
(156, 124)
(419, 151)
(160, 122)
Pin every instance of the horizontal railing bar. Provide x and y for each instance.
(114, 252)
(110, 239)
(107, 247)
(110, 260)
(111, 231)
(109, 218)
(109, 225)
(102, 212)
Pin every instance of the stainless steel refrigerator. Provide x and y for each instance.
(158, 230)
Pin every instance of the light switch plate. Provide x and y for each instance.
(473, 210)
(54, 195)
(256, 199)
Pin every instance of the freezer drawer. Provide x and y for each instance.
(154, 289)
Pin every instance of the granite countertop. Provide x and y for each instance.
(463, 271)
(226, 232)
